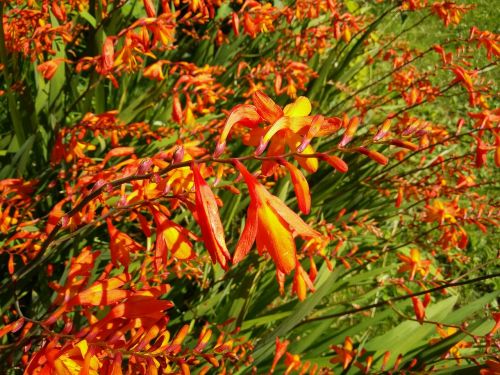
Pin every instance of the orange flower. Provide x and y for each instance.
(271, 224)
(449, 12)
(441, 212)
(244, 114)
(121, 245)
(287, 124)
(292, 362)
(335, 162)
(209, 220)
(414, 263)
(49, 68)
(291, 126)
(345, 354)
(149, 7)
(235, 23)
(154, 71)
(419, 308)
(455, 349)
(301, 282)
(466, 79)
(486, 119)
(352, 126)
(280, 352)
(374, 155)
(107, 57)
(170, 237)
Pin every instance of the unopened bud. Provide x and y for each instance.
(404, 144)
(144, 166)
(261, 148)
(219, 149)
(337, 163)
(122, 202)
(99, 184)
(374, 155)
(64, 221)
(156, 178)
(178, 155)
(304, 144)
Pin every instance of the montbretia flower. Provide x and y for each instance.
(48, 68)
(155, 71)
(149, 8)
(414, 263)
(345, 354)
(301, 282)
(244, 114)
(374, 155)
(449, 12)
(271, 224)
(383, 131)
(107, 57)
(335, 162)
(280, 352)
(441, 212)
(291, 126)
(288, 125)
(454, 351)
(121, 245)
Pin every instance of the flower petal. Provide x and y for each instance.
(275, 236)
(314, 128)
(294, 221)
(242, 114)
(310, 164)
(294, 124)
(248, 235)
(383, 131)
(300, 186)
(266, 107)
(277, 147)
(209, 220)
(300, 107)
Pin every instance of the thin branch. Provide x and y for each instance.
(401, 298)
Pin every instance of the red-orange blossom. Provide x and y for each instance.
(271, 224)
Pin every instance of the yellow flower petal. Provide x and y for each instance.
(276, 238)
(178, 243)
(300, 107)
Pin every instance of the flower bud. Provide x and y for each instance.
(178, 155)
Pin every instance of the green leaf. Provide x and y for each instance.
(88, 17)
(443, 346)
(224, 11)
(304, 308)
(408, 335)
